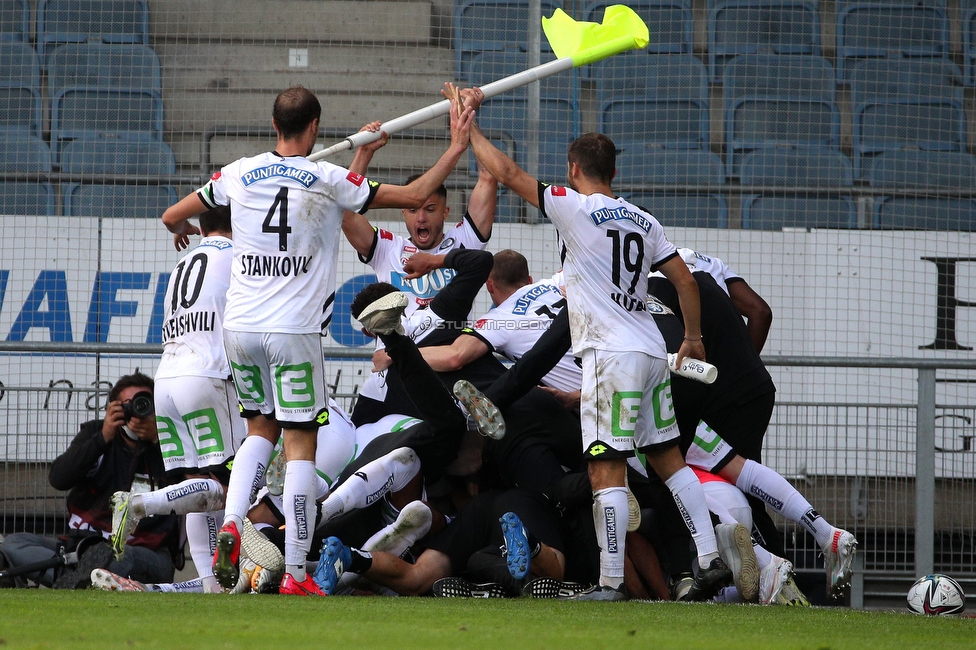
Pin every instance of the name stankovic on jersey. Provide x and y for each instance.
(604, 215)
(306, 178)
(275, 265)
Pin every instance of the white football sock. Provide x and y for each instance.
(194, 586)
(201, 537)
(690, 499)
(610, 517)
(776, 492)
(192, 495)
(371, 482)
(299, 511)
(250, 463)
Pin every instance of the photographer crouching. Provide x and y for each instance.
(117, 453)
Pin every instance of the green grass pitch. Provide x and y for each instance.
(93, 619)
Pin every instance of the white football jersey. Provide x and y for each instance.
(611, 245)
(711, 265)
(287, 217)
(391, 252)
(513, 327)
(193, 343)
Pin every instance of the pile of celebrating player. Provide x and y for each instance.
(584, 470)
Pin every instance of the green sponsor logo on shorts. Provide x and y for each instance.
(663, 408)
(247, 380)
(295, 385)
(169, 441)
(597, 450)
(205, 429)
(710, 445)
(323, 417)
(624, 411)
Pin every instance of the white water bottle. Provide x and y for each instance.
(693, 369)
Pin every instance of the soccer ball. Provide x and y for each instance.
(936, 595)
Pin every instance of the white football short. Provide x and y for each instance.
(708, 451)
(625, 404)
(281, 375)
(198, 421)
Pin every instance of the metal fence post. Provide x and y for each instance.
(925, 473)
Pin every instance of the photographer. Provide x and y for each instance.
(109, 455)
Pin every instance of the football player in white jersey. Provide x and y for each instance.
(386, 253)
(523, 311)
(287, 213)
(196, 404)
(755, 310)
(611, 245)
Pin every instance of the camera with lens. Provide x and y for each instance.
(140, 406)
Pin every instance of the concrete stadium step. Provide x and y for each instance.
(298, 20)
(226, 67)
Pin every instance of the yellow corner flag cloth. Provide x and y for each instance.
(621, 30)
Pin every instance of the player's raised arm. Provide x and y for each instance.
(757, 312)
(175, 219)
(356, 227)
(497, 163)
(483, 202)
(414, 194)
(677, 272)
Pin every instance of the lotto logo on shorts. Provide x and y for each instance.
(323, 417)
(597, 450)
(626, 407)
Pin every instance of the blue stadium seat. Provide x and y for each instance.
(142, 201)
(23, 153)
(772, 100)
(114, 156)
(507, 116)
(485, 25)
(898, 103)
(90, 112)
(80, 21)
(486, 67)
(103, 64)
(20, 88)
(671, 25)
(907, 213)
(969, 43)
(639, 164)
(870, 30)
(796, 167)
(14, 20)
(681, 123)
(658, 76)
(678, 210)
(748, 26)
(930, 169)
(761, 212)
(946, 169)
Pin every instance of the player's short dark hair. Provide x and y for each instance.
(294, 109)
(510, 269)
(596, 156)
(215, 220)
(441, 191)
(369, 295)
(127, 381)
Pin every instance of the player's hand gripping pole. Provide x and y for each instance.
(574, 43)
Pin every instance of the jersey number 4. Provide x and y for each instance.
(628, 250)
(279, 207)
